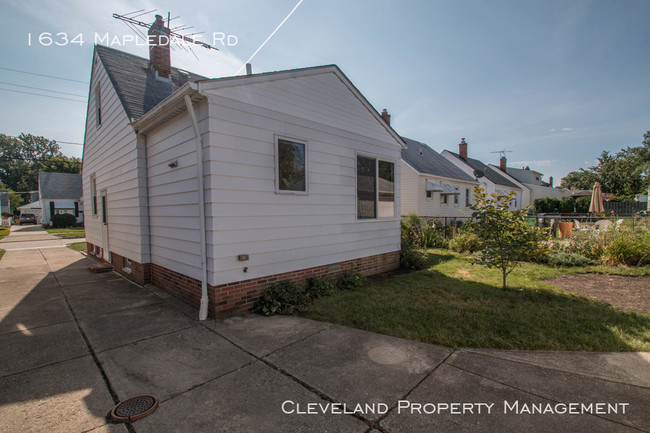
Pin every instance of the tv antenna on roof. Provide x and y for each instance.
(130, 20)
(502, 152)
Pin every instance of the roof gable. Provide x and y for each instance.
(427, 161)
(136, 84)
(490, 173)
(341, 95)
(58, 186)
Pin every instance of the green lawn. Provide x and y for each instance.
(2, 253)
(457, 304)
(77, 246)
(4, 232)
(70, 232)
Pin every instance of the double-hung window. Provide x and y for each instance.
(291, 166)
(375, 188)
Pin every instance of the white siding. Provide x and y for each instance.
(110, 154)
(539, 191)
(410, 190)
(336, 106)
(286, 232)
(173, 194)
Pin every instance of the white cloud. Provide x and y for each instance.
(568, 129)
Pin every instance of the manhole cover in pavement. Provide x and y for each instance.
(134, 408)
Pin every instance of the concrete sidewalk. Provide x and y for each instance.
(75, 343)
(31, 237)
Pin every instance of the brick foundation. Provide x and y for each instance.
(140, 272)
(227, 300)
(233, 298)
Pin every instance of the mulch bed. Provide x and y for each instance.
(623, 293)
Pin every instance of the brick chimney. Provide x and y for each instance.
(462, 149)
(159, 57)
(502, 163)
(385, 116)
(550, 181)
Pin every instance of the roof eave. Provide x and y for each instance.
(167, 108)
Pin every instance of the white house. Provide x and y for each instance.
(433, 186)
(492, 180)
(533, 181)
(296, 175)
(59, 193)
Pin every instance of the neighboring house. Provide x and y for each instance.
(532, 180)
(297, 176)
(433, 186)
(491, 179)
(60, 193)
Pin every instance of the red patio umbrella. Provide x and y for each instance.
(596, 206)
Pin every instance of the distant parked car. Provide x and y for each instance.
(27, 218)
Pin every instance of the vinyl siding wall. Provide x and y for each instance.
(286, 232)
(173, 193)
(110, 154)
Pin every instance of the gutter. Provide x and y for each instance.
(203, 310)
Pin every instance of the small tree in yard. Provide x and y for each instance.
(506, 239)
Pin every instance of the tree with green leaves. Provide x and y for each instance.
(506, 239)
(625, 173)
(22, 157)
(14, 199)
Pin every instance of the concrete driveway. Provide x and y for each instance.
(74, 343)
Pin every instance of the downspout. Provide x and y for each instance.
(203, 310)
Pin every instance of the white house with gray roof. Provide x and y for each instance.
(433, 186)
(60, 193)
(491, 179)
(212, 189)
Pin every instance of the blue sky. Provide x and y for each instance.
(554, 82)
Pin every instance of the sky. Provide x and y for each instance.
(553, 83)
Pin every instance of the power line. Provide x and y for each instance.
(43, 75)
(40, 94)
(39, 88)
(270, 36)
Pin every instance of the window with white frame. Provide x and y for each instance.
(443, 198)
(456, 196)
(429, 195)
(468, 203)
(291, 166)
(93, 192)
(375, 188)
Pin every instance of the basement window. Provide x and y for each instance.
(291, 166)
(127, 265)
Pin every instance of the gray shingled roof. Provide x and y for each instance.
(490, 173)
(136, 85)
(427, 161)
(59, 186)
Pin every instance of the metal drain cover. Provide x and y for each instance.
(134, 408)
